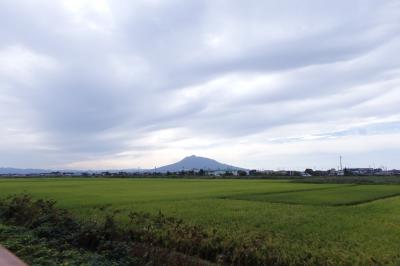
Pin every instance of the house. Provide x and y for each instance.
(360, 171)
(304, 174)
(217, 173)
(340, 172)
(332, 172)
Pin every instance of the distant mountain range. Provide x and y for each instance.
(22, 171)
(189, 163)
(196, 162)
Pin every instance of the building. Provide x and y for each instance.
(363, 171)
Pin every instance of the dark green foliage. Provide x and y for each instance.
(63, 231)
(41, 251)
(168, 241)
(242, 173)
(309, 171)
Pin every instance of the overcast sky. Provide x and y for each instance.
(258, 84)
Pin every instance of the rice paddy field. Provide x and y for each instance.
(344, 223)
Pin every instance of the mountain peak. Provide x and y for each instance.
(193, 157)
(194, 162)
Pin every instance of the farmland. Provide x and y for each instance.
(341, 223)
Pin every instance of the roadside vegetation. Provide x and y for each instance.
(43, 234)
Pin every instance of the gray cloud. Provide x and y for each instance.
(87, 81)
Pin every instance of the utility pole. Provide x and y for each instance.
(340, 171)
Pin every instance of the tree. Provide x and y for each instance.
(228, 173)
(309, 171)
(241, 173)
(253, 172)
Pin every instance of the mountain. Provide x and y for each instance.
(18, 171)
(189, 163)
(34, 171)
(196, 162)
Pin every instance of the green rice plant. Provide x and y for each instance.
(300, 223)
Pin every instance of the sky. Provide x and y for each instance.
(113, 84)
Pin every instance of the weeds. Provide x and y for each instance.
(158, 240)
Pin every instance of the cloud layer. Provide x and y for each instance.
(260, 84)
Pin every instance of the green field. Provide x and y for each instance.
(343, 223)
(331, 196)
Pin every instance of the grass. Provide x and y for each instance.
(332, 196)
(303, 220)
(44, 234)
(351, 179)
